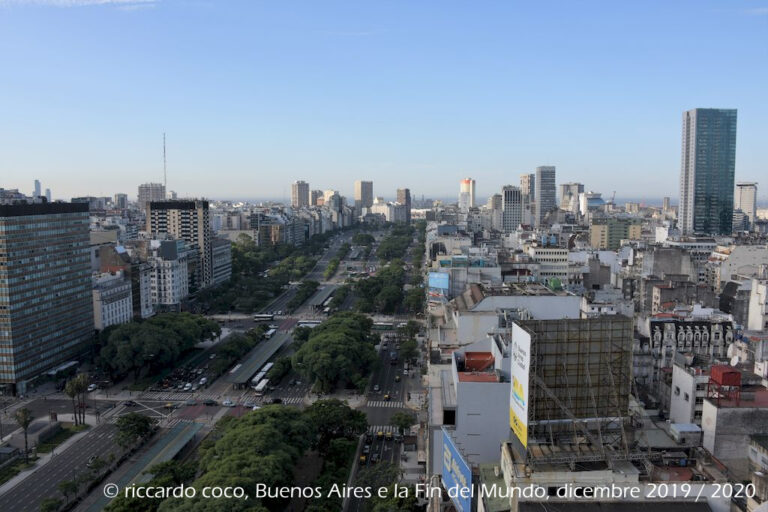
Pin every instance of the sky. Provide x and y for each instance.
(254, 95)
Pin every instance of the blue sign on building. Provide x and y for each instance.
(457, 477)
(439, 280)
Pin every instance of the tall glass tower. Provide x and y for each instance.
(708, 167)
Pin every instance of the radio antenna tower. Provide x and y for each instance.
(165, 171)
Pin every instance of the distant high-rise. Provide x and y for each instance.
(665, 204)
(299, 194)
(121, 201)
(37, 189)
(528, 189)
(512, 208)
(707, 171)
(746, 201)
(48, 195)
(150, 192)
(314, 196)
(569, 196)
(363, 195)
(186, 220)
(404, 198)
(466, 194)
(545, 193)
(46, 307)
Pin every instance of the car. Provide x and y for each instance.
(129, 403)
(212, 356)
(363, 460)
(191, 401)
(405, 371)
(210, 402)
(387, 397)
(255, 407)
(277, 400)
(188, 386)
(374, 458)
(203, 380)
(367, 449)
(376, 388)
(380, 434)
(368, 437)
(91, 460)
(195, 387)
(249, 404)
(398, 438)
(397, 378)
(388, 436)
(228, 403)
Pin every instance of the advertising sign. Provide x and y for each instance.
(518, 401)
(439, 280)
(457, 477)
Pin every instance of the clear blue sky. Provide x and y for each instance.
(254, 94)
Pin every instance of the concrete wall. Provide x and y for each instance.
(727, 431)
(482, 419)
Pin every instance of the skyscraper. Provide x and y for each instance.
(46, 307)
(746, 200)
(150, 192)
(707, 171)
(404, 198)
(299, 194)
(545, 193)
(314, 195)
(512, 208)
(48, 195)
(37, 189)
(363, 195)
(121, 201)
(528, 186)
(466, 194)
(186, 220)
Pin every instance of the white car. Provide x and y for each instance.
(255, 407)
(228, 403)
(203, 381)
(92, 387)
(187, 386)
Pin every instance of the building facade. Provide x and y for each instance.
(149, 192)
(300, 194)
(46, 308)
(188, 221)
(707, 172)
(363, 195)
(404, 198)
(512, 208)
(545, 195)
(112, 300)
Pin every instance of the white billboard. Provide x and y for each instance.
(518, 401)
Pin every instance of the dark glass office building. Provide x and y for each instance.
(46, 304)
(707, 171)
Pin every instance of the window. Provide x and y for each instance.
(677, 390)
(687, 397)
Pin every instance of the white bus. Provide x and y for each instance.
(260, 387)
(269, 333)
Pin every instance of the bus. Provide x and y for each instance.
(263, 318)
(262, 374)
(382, 326)
(269, 333)
(260, 387)
(308, 323)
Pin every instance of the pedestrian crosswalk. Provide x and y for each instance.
(387, 404)
(375, 429)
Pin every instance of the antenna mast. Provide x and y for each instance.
(165, 172)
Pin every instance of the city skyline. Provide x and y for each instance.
(478, 98)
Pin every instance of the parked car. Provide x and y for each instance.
(92, 387)
(376, 388)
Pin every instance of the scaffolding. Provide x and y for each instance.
(579, 389)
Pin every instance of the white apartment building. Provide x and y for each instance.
(170, 273)
(112, 300)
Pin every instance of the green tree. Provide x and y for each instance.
(23, 417)
(50, 505)
(334, 419)
(131, 427)
(68, 488)
(409, 349)
(72, 389)
(402, 420)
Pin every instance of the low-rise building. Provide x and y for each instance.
(112, 300)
